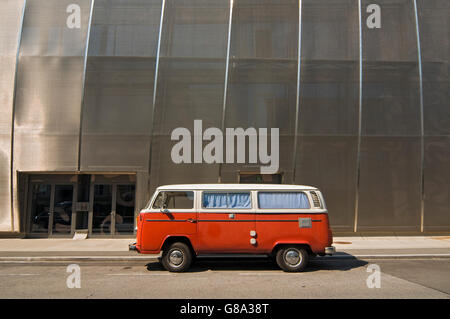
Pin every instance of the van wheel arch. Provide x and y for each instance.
(178, 239)
(277, 247)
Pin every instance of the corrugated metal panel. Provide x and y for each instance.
(119, 85)
(10, 25)
(191, 83)
(49, 90)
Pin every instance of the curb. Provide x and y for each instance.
(387, 256)
(155, 258)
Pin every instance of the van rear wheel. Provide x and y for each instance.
(292, 258)
(177, 258)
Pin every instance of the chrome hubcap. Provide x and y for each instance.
(176, 257)
(293, 257)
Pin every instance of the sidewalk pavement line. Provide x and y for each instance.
(153, 258)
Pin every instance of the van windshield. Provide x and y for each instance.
(283, 200)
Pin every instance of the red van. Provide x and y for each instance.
(286, 222)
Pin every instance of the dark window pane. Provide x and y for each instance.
(125, 201)
(252, 178)
(102, 208)
(62, 211)
(40, 208)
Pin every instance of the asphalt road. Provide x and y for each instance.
(229, 278)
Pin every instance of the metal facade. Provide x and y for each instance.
(363, 113)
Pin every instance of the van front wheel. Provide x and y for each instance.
(177, 258)
(292, 258)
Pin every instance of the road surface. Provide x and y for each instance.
(229, 278)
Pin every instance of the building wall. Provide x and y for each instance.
(363, 113)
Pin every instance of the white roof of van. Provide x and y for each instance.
(225, 186)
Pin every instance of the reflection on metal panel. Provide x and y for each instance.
(48, 99)
(119, 85)
(10, 25)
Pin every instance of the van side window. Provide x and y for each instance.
(174, 200)
(283, 200)
(227, 200)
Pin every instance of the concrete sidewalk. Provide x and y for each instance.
(117, 249)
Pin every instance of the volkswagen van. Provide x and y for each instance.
(288, 223)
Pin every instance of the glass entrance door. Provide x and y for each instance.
(62, 210)
(112, 209)
(51, 208)
(60, 206)
(40, 208)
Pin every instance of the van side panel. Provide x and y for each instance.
(273, 229)
(218, 233)
(156, 226)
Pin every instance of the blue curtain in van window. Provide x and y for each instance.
(226, 200)
(239, 200)
(283, 200)
(215, 200)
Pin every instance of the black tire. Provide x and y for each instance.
(292, 258)
(177, 258)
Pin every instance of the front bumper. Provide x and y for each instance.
(330, 250)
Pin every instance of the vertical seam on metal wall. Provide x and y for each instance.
(422, 129)
(358, 147)
(11, 181)
(297, 102)
(155, 86)
(225, 88)
(86, 52)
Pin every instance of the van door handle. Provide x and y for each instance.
(191, 220)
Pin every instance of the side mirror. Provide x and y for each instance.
(164, 209)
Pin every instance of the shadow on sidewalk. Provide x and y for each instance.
(264, 264)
